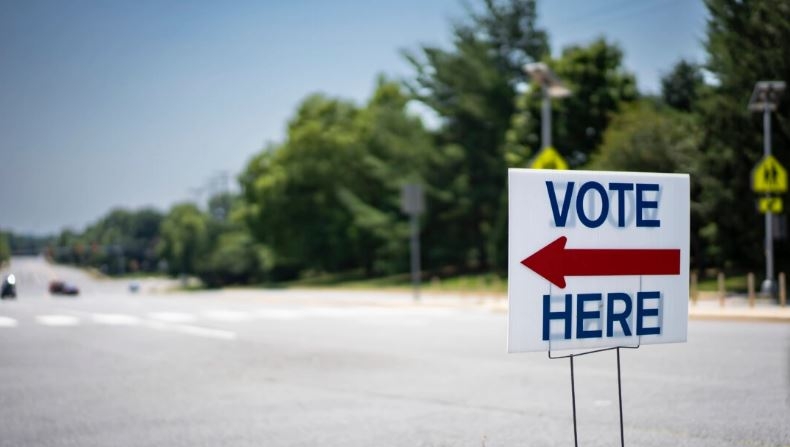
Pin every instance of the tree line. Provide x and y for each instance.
(326, 198)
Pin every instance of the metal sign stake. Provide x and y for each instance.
(573, 388)
(573, 401)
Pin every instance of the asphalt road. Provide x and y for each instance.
(300, 368)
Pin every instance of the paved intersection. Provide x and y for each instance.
(303, 368)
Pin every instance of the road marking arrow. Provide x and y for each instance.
(554, 262)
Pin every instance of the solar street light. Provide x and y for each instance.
(765, 99)
(552, 87)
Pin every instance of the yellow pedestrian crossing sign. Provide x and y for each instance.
(548, 158)
(771, 205)
(769, 176)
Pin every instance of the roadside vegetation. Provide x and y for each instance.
(5, 248)
(324, 203)
(733, 283)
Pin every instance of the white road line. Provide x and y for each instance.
(115, 319)
(160, 325)
(279, 314)
(172, 317)
(7, 322)
(226, 315)
(394, 322)
(377, 313)
(333, 312)
(192, 330)
(57, 320)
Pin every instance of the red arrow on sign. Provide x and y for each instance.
(554, 262)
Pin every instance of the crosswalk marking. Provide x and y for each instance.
(7, 322)
(172, 317)
(180, 321)
(226, 315)
(58, 320)
(115, 319)
(193, 330)
(278, 314)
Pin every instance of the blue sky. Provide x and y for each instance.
(109, 104)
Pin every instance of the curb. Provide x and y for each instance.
(774, 316)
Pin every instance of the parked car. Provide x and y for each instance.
(8, 289)
(63, 288)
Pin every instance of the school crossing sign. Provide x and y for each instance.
(596, 259)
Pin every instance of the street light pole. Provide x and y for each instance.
(765, 98)
(768, 287)
(545, 118)
(551, 87)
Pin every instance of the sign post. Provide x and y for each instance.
(596, 261)
(769, 176)
(413, 204)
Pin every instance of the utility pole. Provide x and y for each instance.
(765, 99)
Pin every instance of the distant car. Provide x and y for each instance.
(8, 289)
(63, 288)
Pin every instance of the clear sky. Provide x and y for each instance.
(108, 104)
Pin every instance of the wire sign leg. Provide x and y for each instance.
(573, 399)
(620, 397)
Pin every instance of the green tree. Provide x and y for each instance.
(650, 137)
(747, 41)
(235, 258)
(184, 238)
(472, 88)
(645, 137)
(327, 198)
(291, 191)
(682, 86)
(599, 85)
(5, 249)
(396, 151)
(115, 243)
(232, 255)
(28, 244)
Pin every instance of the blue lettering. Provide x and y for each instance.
(621, 188)
(642, 204)
(641, 313)
(622, 317)
(560, 217)
(565, 315)
(612, 317)
(582, 315)
(561, 211)
(597, 222)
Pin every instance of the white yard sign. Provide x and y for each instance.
(597, 259)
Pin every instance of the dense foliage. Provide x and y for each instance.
(747, 41)
(122, 241)
(5, 248)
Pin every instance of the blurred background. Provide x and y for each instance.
(262, 142)
(202, 217)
